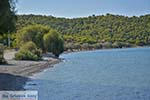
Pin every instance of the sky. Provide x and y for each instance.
(83, 8)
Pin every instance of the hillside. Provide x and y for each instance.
(96, 31)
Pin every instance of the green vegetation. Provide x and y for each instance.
(2, 60)
(45, 38)
(54, 43)
(93, 32)
(32, 33)
(7, 22)
(7, 16)
(112, 31)
(29, 51)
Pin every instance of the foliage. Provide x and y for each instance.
(121, 45)
(2, 60)
(7, 21)
(32, 33)
(110, 28)
(7, 16)
(45, 38)
(29, 51)
(54, 43)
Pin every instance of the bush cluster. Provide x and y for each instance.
(47, 39)
(29, 51)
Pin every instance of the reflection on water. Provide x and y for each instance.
(118, 74)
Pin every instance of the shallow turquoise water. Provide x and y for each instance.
(117, 74)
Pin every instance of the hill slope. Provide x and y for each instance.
(94, 30)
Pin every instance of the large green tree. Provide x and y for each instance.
(32, 33)
(7, 20)
(7, 16)
(44, 37)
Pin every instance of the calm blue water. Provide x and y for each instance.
(118, 74)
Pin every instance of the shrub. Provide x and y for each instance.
(139, 42)
(29, 52)
(26, 55)
(97, 46)
(107, 45)
(2, 60)
(120, 45)
(85, 46)
(117, 45)
(72, 46)
(54, 43)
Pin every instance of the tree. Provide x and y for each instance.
(7, 16)
(7, 20)
(96, 29)
(32, 33)
(54, 43)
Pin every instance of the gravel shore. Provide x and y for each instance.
(15, 74)
(26, 68)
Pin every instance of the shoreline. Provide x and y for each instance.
(93, 49)
(30, 67)
(15, 74)
(13, 78)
